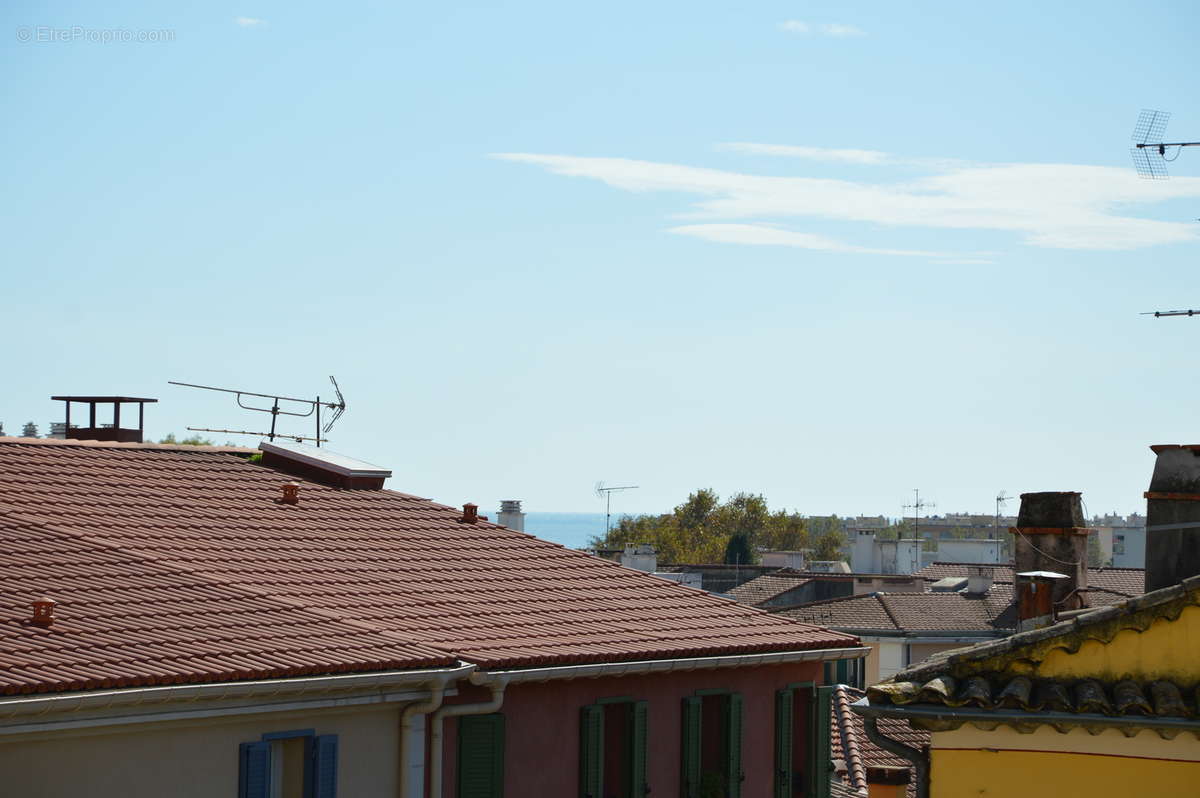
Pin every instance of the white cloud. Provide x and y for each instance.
(812, 153)
(770, 235)
(835, 29)
(1059, 206)
(249, 22)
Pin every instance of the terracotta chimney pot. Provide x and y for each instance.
(43, 612)
(291, 493)
(470, 513)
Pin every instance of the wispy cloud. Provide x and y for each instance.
(249, 22)
(1059, 206)
(771, 235)
(812, 153)
(835, 29)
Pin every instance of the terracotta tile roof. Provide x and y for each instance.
(177, 564)
(943, 612)
(768, 586)
(1121, 581)
(849, 742)
(1001, 679)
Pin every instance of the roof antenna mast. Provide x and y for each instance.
(314, 409)
(1149, 151)
(606, 492)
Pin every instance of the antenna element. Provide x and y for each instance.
(314, 409)
(1147, 143)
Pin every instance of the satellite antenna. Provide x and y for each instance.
(605, 492)
(917, 506)
(314, 409)
(1002, 499)
(1149, 150)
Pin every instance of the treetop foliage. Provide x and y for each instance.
(705, 530)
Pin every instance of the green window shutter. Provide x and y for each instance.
(733, 726)
(820, 758)
(637, 742)
(842, 677)
(481, 756)
(591, 751)
(690, 753)
(784, 729)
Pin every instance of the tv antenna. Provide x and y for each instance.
(605, 492)
(1159, 313)
(917, 506)
(314, 409)
(1002, 499)
(1147, 143)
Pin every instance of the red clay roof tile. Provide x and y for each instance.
(178, 564)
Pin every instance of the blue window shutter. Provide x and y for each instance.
(254, 770)
(733, 730)
(691, 747)
(784, 740)
(324, 766)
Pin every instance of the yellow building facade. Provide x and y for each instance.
(1104, 704)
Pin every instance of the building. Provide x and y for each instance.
(1083, 700)
(905, 628)
(1100, 704)
(180, 620)
(858, 761)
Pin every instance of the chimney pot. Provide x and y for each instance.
(1173, 516)
(43, 612)
(470, 513)
(1051, 537)
(291, 493)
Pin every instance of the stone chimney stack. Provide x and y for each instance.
(510, 515)
(1173, 516)
(1051, 536)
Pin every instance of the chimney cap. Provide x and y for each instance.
(43, 611)
(1043, 575)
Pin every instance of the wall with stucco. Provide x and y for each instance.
(194, 760)
(1165, 650)
(542, 726)
(1048, 764)
(919, 652)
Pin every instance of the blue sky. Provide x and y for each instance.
(829, 252)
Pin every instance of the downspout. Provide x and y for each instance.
(437, 691)
(919, 759)
(496, 683)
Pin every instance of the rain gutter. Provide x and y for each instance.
(603, 669)
(94, 708)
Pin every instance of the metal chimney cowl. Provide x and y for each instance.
(1051, 536)
(1173, 516)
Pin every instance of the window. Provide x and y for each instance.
(712, 745)
(802, 763)
(845, 671)
(290, 764)
(612, 749)
(481, 756)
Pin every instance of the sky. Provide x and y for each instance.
(826, 252)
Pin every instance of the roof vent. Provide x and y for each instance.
(470, 513)
(43, 612)
(323, 466)
(291, 493)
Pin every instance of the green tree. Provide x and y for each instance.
(194, 440)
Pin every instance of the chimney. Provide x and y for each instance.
(1050, 536)
(640, 557)
(470, 513)
(1173, 516)
(887, 781)
(979, 579)
(510, 515)
(104, 432)
(43, 612)
(1035, 599)
(291, 493)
